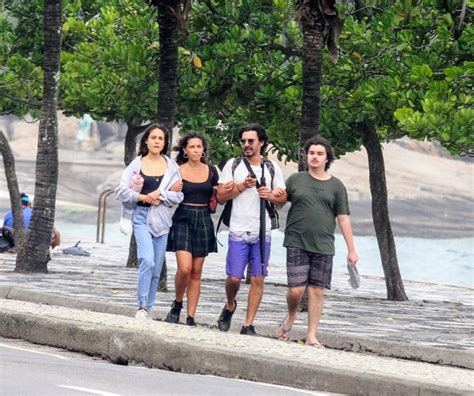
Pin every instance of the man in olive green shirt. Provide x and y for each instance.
(317, 200)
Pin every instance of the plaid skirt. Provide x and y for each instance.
(192, 231)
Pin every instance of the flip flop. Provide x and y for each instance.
(354, 278)
(282, 333)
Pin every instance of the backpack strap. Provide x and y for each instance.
(235, 164)
(271, 169)
(272, 211)
(228, 204)
(251, 172)
(267, 163)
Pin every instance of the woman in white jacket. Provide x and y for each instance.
(149, 210)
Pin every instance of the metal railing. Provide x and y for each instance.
(102, 208)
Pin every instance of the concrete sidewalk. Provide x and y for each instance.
(202, 351)
(434, 326)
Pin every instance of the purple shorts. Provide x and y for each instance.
(241, 252)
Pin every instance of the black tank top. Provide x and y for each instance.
(199, 193)
(150, 184)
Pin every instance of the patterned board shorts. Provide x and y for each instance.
(308, 268)
(192, 231)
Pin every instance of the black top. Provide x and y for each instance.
(150, 184)
(199, 193)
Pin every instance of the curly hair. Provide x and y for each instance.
(318, 140)
(183, 143)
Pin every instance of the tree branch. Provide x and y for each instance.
(32, 103)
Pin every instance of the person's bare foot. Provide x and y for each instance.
(313, 342)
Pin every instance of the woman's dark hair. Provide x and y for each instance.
(143, 150)
(183, 143)
(318, 140)
(261, 133)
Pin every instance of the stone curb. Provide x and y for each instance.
(340, 341)
(125, 345)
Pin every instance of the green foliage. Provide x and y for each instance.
(393, 58)
(109, 67)
(447, 110)
(21, 57)
(21, 52)
(404, 67)
(442, 83)
(249, 73)
(403, 71)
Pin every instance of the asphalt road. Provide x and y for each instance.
(29, 369)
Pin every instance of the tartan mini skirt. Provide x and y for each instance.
(192, 231)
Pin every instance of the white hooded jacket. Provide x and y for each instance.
(159, 217)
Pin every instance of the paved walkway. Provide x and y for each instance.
(202, 351)
(436, 316)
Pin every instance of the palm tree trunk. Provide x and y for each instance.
(383, 228)
(168, 11)
(312, 25)
(313, 44)
(12, 183)
(34, 254)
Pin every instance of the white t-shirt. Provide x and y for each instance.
(245, 216)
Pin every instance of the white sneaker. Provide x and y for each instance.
(141, 314)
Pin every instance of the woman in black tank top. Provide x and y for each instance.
(192, 235)
(146, 193)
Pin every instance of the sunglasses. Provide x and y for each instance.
(249, 141)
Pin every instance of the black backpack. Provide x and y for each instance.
(4, 245)
(272, 211)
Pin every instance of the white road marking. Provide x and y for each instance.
(300, 390)
(89, 390)
(304, 391)
(29, 350)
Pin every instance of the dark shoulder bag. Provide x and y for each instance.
(212, 204)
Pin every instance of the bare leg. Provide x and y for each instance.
(232, 286)
(293, 298)
(255, 297)
(315, 310)
(194, 286)
(185, 261)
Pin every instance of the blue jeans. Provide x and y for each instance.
(151, 253)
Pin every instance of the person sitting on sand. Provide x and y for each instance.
(8, 229)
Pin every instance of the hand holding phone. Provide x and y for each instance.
(250, 181)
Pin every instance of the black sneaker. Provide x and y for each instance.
(248, 330)
(225, 318)
(190, 321)
(173, 314)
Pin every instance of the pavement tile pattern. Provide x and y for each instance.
(436, 315)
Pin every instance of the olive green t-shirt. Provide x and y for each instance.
(311, 220)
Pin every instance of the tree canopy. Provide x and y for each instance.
(109, 62)
(403, 66)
